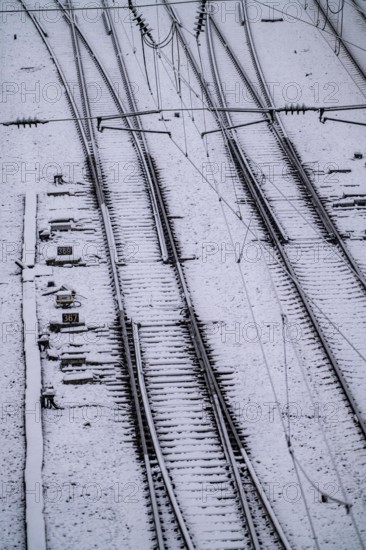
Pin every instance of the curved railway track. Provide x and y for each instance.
(360, 10)
(89, 144)
(261, 524)
(326, 20)
(272, 228)
(286, 144)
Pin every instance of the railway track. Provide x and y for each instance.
(286, 144)
(360, 10)
(354, 67)
(90, 146)
(297, 276)
(168, 359)
(288, 298)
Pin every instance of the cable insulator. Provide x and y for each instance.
(201, 18)
(25, 122)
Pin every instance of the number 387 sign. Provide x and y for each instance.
(70, 317)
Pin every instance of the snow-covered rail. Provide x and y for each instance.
(326, 20)
(226, 426)
(300, 275)
(88, 142)
(142, 409)
(283, 138)
(180, 357)
(352, 281)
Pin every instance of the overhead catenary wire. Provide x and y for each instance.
(310, 481)
(339, 13)
(263, 353)
(174, 70)
(162, 43)
(346, 47)
(202, 98)
(157, 81)
(176, 2)
(234, 211)
(179, 90)
(207, 182)
(190, 91)
(264, 356)
(145, 65)
(287, 109)
(324, 495)
(339, 374)
(236, 471)
(332, 231)
(263, 246)
(328, 319)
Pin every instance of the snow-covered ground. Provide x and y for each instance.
(94, 480)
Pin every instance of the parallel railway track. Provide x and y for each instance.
(285, 142)
(246, 174)
(359, 70)
(250, 526)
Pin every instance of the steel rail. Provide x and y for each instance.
(359, 10)
(156, 213)
(255, 190)
(167, 482)
(220, 409)
(285, 142)
(121, 312)
(288, 266)
(155, 438)
(291, 271)
(147, 411)
(155, 190)
(141, 155)
(171, 240)
(346, 48)
(92, 162)
(217, 400)
(214, 390)
(141, 141)
(194, 328)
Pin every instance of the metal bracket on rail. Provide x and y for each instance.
(323, 121)
(126, 115)
(236, 126)
(101, 128)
